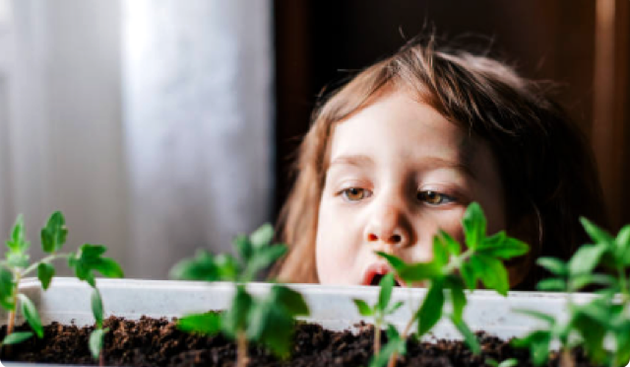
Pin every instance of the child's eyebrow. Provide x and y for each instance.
(352, 160)
(437, 162)
(430, 162)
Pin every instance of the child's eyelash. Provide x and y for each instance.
(431, 197)
(434, 198)
(355, 194)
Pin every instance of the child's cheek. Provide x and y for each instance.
(337, 247)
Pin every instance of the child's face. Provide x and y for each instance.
(398, 172)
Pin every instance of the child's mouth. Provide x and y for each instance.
(375, 273)
(376, 280)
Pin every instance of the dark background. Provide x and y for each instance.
(582, 45)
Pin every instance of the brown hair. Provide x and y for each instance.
(546, 166)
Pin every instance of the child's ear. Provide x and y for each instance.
(526, 229)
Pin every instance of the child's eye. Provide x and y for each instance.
(355, 193)
(434, 197)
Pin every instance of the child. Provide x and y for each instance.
(403, 148)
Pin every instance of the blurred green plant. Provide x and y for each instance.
(16, 266)
(447, 275)
(268, 320)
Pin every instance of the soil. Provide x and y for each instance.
(157, 342)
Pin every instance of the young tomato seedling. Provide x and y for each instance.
(85, 262)
(381, 309)
(452, 270)
(17, 265)
(606, 317)
(269, 320)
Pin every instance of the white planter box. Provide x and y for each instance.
(68, 300)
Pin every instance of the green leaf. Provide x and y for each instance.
(474, 224)
(54, 234)
(591, 321)
(18, 259)
(555, 266)
(492, 273)
(469, 337)
(272, 326)
(586, 259)
(227, 266)
(243, 247)
(263, 258)
(452, 246)
(31, 315)
(622, 336)
(596, 233)
(18, 242)
(97, 307)
(458, 298)
(7, 288)
(468, 274)
(262, 237)
(510, 362)
(236, 318)
(96, 342)
(363, 308)
(208, 323)
(440, 252)
(385, 294)
(201, 267)
(395, 344)
(552, 284)
(580, 281)
(290, 301)
(394, 307)
(538, 315)
(420, 271)
(431, 310)
(88, 259)
(45, 273)
(503, 247)
(622, 243)
(17, 337)
(109, 268)
(394, 261)
(538, 344)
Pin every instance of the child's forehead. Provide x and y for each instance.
(422, 126)
(354, 144)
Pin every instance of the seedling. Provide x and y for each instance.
(98, 334)
(17, 265)
(381, 309)
(606, 317)
(85, 262)
(269, 320)
(451, 271)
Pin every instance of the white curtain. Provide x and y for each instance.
(148, 122)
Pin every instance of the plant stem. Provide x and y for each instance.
(566, 359)
(456, 262)
(377, 336)
(394, 357)
(47, 259)
(622, 281)
(241, 349)
(12, 314)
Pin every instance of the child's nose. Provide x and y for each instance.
(389, 226)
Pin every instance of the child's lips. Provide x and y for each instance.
(376, 272)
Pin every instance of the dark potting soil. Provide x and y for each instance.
(157, 342)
